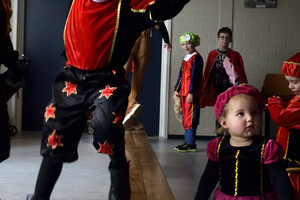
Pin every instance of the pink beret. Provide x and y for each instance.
(291, 67)
(224, 97)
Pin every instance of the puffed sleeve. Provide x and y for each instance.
(275, 106)
(273, 152)
(212, 149)
(285, 117)
(276, 170)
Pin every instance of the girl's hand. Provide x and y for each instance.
(177, 93)
(189, 98)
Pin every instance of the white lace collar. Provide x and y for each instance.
(188, 56)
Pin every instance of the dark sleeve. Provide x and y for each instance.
(8, 56)
(280, 180)
(208, 181)
(196, 74)
(164, 32)
(178, 83)
(3, 19)
(166, 9)
(63, 53)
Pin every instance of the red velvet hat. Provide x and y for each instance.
(224, 97)
(291, 67)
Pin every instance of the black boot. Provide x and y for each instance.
(119, 188)
(33, 197)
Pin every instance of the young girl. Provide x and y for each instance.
(188, 88)
(247, 166)
(288, 120)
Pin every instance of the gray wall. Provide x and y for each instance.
(265, 37)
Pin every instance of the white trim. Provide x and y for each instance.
(20, 47)
(98, 1)
(164, 87)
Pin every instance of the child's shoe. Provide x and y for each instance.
(187, 148)
(179, 146)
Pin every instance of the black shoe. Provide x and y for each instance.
(120, 186)
(179, 146)
(187, 148)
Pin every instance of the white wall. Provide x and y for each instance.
(265, 37)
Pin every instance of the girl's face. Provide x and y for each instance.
(294, 84)
(188, 47)
(243, 118)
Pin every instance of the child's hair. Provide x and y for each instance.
(291, 67)
(225, 30)
(190, 37)
(220, 130)
(223, 98)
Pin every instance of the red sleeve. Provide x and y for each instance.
(288, 117)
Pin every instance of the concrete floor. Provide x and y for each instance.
(88, 177)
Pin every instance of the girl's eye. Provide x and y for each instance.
(294, 82)
(240, 114)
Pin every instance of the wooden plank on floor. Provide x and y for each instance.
(147, 180)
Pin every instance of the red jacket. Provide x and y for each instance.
(208, 96)
(101, 34)
(286, 118)
(190, 76)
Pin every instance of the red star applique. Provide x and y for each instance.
(118, 118)
(70, 88)
(49, 113)
(54, 140)
(106, 148)
(107, 92)
(114, 71)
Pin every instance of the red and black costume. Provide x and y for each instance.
(287, 117)
(98, 38)
(189, 82)
(209, 90)
(98, 35)
(288, 134)
(246, 173)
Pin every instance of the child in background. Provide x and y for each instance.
(188, 87)
(288, 120)
(224, 68)
(247, 166)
